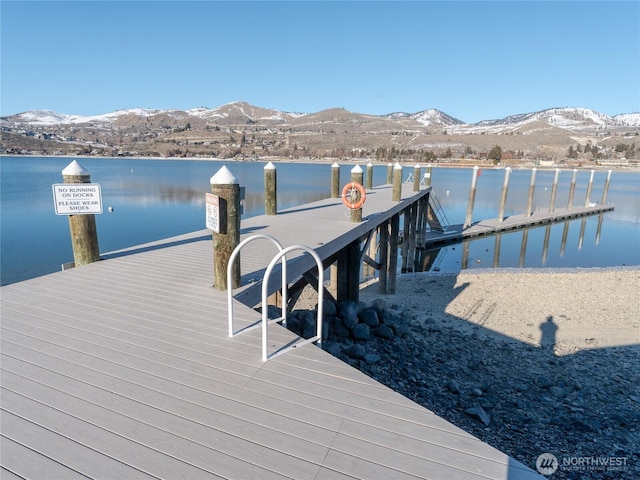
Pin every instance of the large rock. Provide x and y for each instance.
(369, 316)
(361, 332)
(348, 312)
(478, 413)
(356, 351)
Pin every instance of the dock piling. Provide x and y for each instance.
(369, 176)
(335, 181)
(554, 189)
(572, 188)
(84, 234)
(356, 176)
(472, 197)
(532, 187)
(606, 188)
(225, 185)
(503, 197)
(397, 183)
(587, 198)
(427, 175)
(270, 189)
(416, 178)
(389, 173)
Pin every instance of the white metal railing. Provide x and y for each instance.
(232, 258)
(265, 293)
(439, 211)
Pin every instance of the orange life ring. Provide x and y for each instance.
(353, 195)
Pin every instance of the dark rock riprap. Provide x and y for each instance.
(522, 399)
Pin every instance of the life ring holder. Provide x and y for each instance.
(349, 192)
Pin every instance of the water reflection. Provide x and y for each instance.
(156, 199)
(539, 246)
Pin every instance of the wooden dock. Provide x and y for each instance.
(457, 233)
(123, 369)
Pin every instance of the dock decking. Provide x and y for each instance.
(123, 369)
(456, 233)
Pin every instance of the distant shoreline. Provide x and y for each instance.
(486, 166)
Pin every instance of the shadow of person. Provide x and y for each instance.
(548, 336)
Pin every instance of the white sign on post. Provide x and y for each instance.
(213, 212)
(77, 198)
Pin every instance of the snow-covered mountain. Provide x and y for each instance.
(240, 113)
(428, 118)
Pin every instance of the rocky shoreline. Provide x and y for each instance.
(576, 398)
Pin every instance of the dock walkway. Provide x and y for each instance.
(123, 369)
(456, 233)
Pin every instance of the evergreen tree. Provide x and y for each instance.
(495, 154)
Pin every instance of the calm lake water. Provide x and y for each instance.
(156, 199)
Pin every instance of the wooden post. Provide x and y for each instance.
(589, 187)
(397, 183)
(572, 188)
(416, 178)
(270, 189)
(503, 197)
(406, 222)
(335, 181)
(427, 175)
(412, 234)
(472, 197)
(554, 189)
(369, 176)
(84, 234)
(373, 250)
(423, 207)
(393, 253)
(383, 259)
(225, 185)
(606, 188)
(532, 187)
(356, 176)
(349, 272)
(389, 173)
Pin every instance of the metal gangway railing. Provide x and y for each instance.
(265, 321)
(441, 222)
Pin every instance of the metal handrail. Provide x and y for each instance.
(234, 254)
(437, 207)
(265, 293)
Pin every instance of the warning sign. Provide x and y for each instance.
(213, 212)
(77, 198)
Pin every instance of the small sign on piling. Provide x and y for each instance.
(213, 212)
(77, 198)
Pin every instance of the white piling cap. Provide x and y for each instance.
(335, 165)
(369, 164)
(74, 168)
(270, 166)
(397, 166)
(223, 177)
(357, 169)
(417, 166)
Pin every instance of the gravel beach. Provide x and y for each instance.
(530, 361)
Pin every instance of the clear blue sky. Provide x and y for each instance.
(473, 60)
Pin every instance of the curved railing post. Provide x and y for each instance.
(265, 293)
(234, 254)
